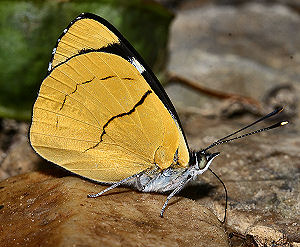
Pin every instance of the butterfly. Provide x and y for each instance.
(101, 113)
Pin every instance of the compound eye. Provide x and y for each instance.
(202, 161)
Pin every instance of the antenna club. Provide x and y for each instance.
(280, 109)
(284, 123)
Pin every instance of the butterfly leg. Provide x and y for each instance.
(113, 186)
(173, 193)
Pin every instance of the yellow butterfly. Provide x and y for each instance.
(101, 113)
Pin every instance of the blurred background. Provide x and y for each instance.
(223, 63)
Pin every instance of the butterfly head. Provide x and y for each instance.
(206, 158)
(202, 160)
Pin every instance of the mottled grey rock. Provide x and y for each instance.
(247, 49)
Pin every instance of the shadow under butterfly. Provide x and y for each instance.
(101, 113)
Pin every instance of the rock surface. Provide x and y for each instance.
(40, 209)
(249, 49)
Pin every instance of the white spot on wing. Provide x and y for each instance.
(49, 66)
(136, 64)
(53, 51)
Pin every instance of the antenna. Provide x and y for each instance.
(279, 124)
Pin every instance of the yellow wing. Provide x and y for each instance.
(82, 34)
(98, 117)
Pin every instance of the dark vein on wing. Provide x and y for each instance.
(93, 96)
(107, 77)
(140, 102)
(112, 76)
(125, 85)
(96, 65)
(87, 91)
(76, 87)
(58, 101)
(132, 71)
